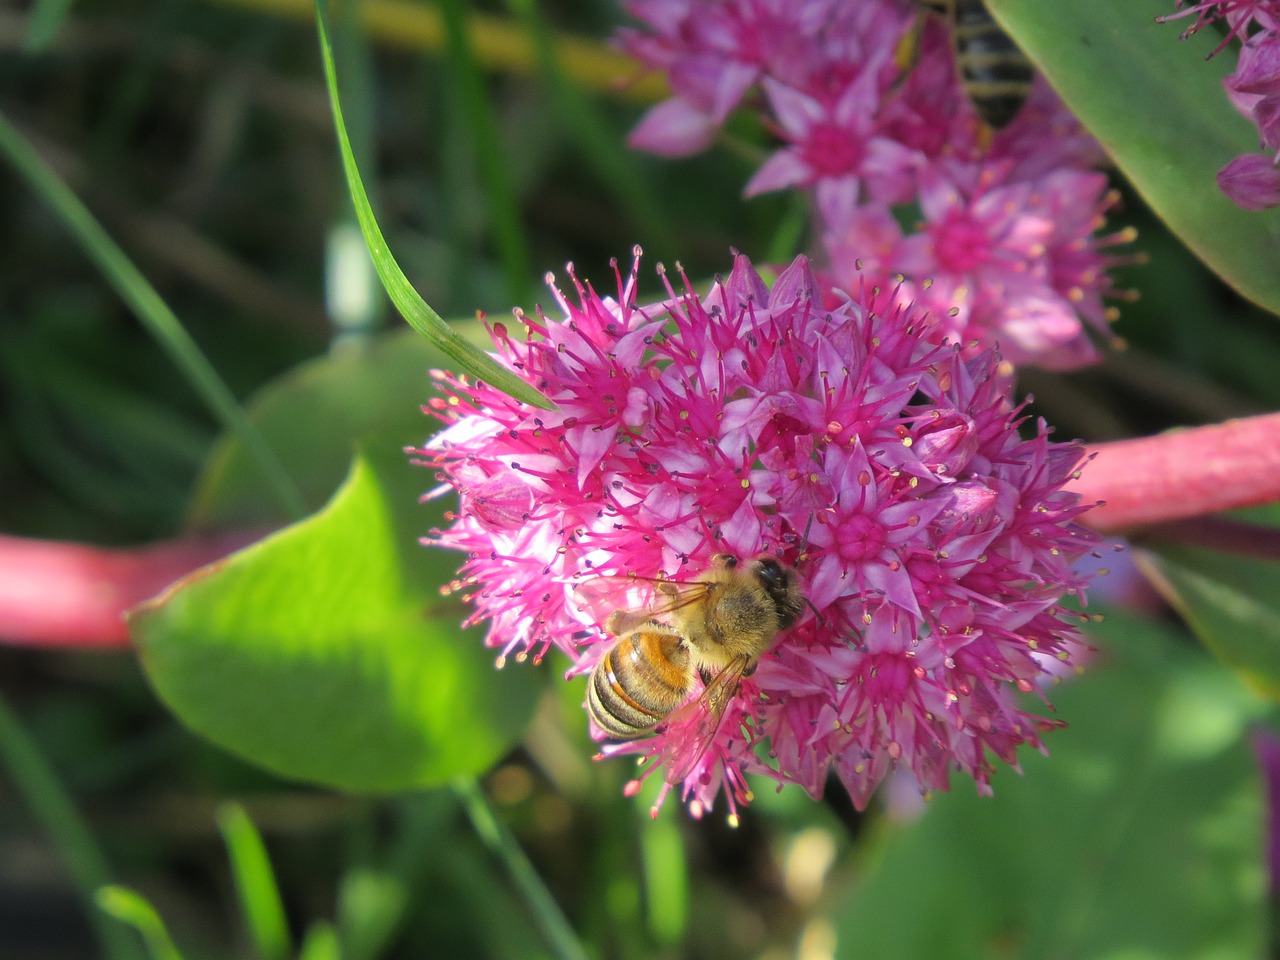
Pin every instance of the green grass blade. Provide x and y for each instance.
(255, 883)
(555, 927)
(146, 303)
(603, 149)
(49, 803)
(129, 907)
(469, 358)
(377, 897)
(491, 158)
(354, 299)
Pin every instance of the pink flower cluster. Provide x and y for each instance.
(934, 542)
(1251, 181)
(1001, 243)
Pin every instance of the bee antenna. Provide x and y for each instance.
(822, 621)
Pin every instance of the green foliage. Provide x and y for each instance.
(46, 17)
(315, 416)
(326, 654)
(1230, 602)
(40, 787)
(495, 173)
(1162, 117)
(142, 297)
(603, 154)
(1138, 836)
(321, 944)
(365, 653)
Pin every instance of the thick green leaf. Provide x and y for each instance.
(323, 652)
(1159, 110)
(1231, 603)
(1139, 837)
(314, 417)
(467, 357)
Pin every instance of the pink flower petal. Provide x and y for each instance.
(674, 128)
(1251, 182)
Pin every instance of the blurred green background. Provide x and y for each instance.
(200, 135)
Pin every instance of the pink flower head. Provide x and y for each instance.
(1006, 254)
(834, 146)
(714, 52)
(998, 259)
(933, 542)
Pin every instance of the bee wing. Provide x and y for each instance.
(693, 727)
(621, 603)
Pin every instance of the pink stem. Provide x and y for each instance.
(73, 595)
(1182, 474)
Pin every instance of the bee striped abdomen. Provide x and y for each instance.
(995, 73)
(639, 681)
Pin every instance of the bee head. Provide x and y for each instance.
(779, 582)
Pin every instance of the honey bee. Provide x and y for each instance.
(712, 629)
(995, 73)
